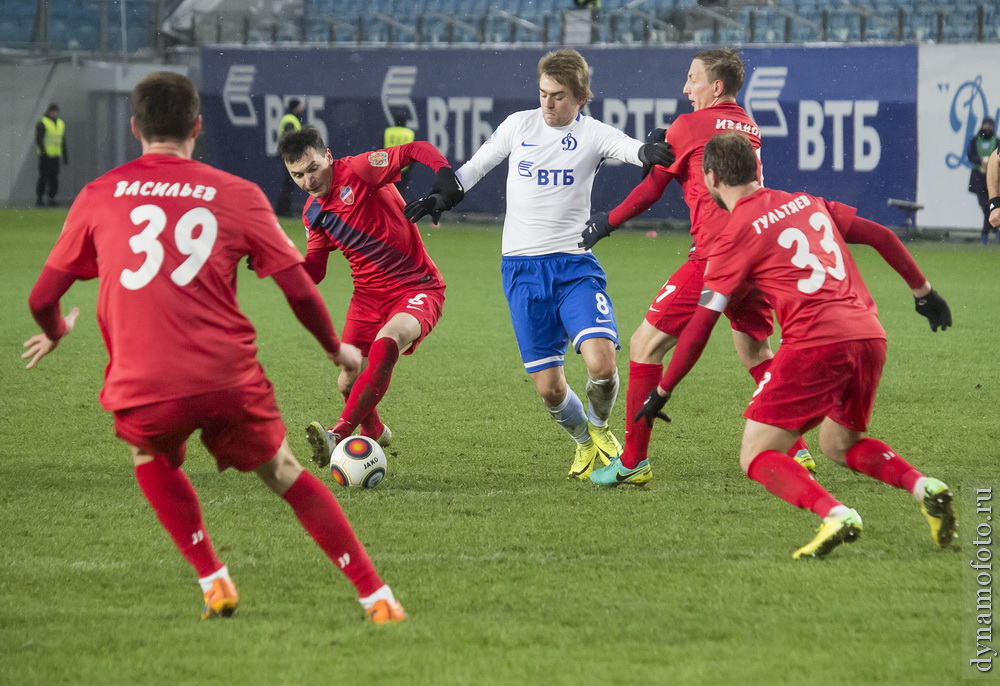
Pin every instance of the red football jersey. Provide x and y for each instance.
(789, 246)
(687, 136)
(164, 235)
(362, 217)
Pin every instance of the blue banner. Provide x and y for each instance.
(837, 122)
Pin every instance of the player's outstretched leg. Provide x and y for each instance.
(784, 477)
(877, 460)
(175, 502)
(799, 451)
(370, 386)
(321, 516)
(842, 525)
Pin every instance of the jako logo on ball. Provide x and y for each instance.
(358, 461)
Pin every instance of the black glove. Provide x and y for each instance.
(598, 227)
(446, 185)
(656, 153)
(935, 309)
(653, 408)
(445, 194)
(654, 136)
(432, 205)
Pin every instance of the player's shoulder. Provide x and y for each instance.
(599, 127)
(521, 121)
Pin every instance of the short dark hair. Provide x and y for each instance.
(293, 103)
(724, 64)
(293, 145)
(165, 106)
(732, 157)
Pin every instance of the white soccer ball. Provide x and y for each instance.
(358, 461)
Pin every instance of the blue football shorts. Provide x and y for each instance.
(555, 300)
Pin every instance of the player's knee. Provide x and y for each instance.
(649, 345)
(281, 471)
(835, 447)
(552, 392)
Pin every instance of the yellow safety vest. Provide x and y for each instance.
(289, 119)
(398, 135)
(53, 140)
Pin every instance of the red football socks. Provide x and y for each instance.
(321, 516)
(642, 378)
(369, 387)
(787, 479)
(173, 498)
(877, 460)
(372, 426)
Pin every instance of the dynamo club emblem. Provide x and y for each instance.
(346, 195)
(568, 142)
(379, 158)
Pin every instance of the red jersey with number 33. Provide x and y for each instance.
(789, 246)
(165, 235)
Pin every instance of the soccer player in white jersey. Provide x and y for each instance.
(556, 289)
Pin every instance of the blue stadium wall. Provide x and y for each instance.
(836, 121)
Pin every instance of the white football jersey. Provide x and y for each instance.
(549, 179)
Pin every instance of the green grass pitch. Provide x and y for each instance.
(511, 574)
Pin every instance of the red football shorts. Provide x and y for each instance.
(677, 301)
(241, 427)
(803, 386)
(369, 312)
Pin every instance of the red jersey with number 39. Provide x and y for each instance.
(789, 246)
(165, 235)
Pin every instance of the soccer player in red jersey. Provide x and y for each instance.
(398, 291)
(793, 247)
(714, 79)
(164, 235)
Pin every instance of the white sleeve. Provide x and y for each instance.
(615, 144)
(491, 153)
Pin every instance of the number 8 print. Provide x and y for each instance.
(147, 241)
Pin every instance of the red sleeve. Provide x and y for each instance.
(52, 284)
(888, 245)
(642, 197)
(381, 167)
(318, 249)
(307, 305)
(689, 348)
(423, 152)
